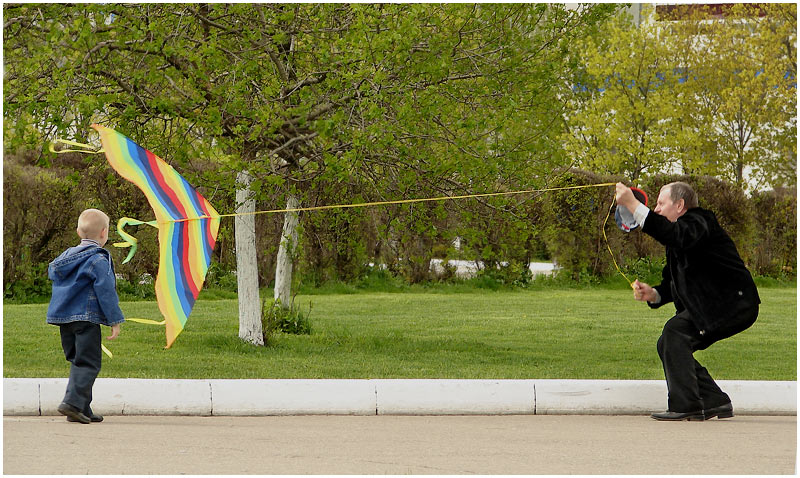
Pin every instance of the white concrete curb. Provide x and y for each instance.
(292, 397)
(114, 396)
(455, 397)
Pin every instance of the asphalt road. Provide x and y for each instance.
(440, 445)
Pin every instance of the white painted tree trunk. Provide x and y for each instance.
(286, 253)
(247, 263)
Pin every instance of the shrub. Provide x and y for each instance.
(775, 252)
(292, 320)
(573, 226)
(40, 213)
(135, 290)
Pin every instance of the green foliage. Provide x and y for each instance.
(334, 245)
(646, 269)
(514, 274)
(572, 225)
(711, 96)
(40, 214)
(219, 277)
(742, 81)
(33, 286)
(324, 101)
(625, 105)
(775, 214)
(291, 320)
(339, 103)
(137, 290)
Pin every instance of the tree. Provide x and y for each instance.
(690, 91)
(740, 70)
(625, 102)
(397, 99)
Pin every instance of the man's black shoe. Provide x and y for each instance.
(74, 413)
(94, 418)
(722, 411)
(677, 416)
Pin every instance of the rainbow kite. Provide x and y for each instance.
(187, 226)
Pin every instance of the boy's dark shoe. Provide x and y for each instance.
(94, 418)
(74, 413)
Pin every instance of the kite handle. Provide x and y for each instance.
(130, 241)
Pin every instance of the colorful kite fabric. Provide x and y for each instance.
(185, 242)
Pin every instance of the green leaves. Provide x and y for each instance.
(692, 94)
(376, 101)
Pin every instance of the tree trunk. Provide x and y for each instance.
(247, 264)
(286, 252)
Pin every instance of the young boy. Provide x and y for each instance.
(84, 297)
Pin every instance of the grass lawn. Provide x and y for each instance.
(567, 334)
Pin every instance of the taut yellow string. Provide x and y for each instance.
(132, 241)
(399, 201)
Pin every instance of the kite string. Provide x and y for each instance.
(442, 198)
(397, 201)
(608, 245)
(603, 227)
(90, 149)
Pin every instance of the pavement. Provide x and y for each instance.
(440, 427)
(385, 444)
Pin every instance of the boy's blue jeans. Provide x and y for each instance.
(81, 343)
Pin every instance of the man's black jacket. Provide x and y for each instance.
(704, 273)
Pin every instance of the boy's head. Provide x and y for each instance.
(93, 224)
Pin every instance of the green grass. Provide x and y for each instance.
(550, 333)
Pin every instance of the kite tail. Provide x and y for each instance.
(130, 241)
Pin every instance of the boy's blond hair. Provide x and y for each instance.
(91, 223)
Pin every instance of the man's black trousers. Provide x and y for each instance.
(690, 386)
(81, 343)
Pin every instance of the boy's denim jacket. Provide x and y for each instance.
(84, 287)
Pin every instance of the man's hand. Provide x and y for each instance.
(643, 292)
(114, 332)
(626, 198)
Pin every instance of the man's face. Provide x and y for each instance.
(667, 208)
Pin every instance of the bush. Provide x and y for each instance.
(275, 318)
(775, 252)
(40, 213)
(136, 290)
(33, 288)
(646, 269)
(573, 227)
(41, 206)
